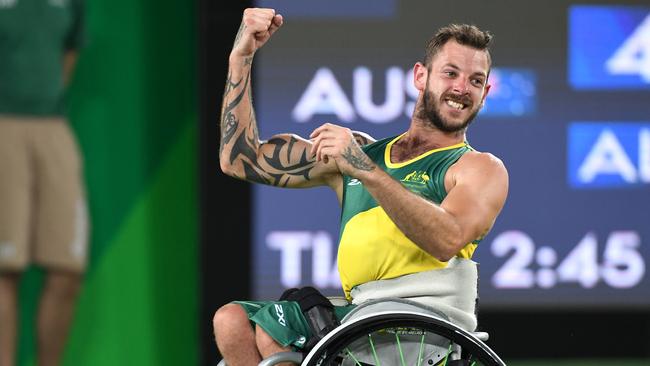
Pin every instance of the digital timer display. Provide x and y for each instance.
(619, 265)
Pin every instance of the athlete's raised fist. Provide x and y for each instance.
(256, 28)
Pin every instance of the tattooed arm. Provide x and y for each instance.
(284, 160)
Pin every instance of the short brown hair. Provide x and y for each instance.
(465, 34)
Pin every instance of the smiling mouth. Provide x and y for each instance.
(455, 104)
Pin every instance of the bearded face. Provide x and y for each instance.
(453, 87)
(430, 110)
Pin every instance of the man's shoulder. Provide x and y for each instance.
(480, 157)
(477, 162)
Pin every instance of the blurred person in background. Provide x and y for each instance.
(43, 217)
(414, 206)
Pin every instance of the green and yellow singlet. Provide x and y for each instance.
(371, 246)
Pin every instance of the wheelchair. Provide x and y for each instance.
(394, 332)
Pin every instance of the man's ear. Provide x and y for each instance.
(420, 74)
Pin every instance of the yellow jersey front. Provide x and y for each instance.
(371, 246)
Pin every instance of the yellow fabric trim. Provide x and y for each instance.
(392, 165)
(467, 251)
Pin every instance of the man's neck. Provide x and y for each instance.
(421, 138)
(421, 133)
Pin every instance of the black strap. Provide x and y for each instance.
(317, 309)
(307, 298)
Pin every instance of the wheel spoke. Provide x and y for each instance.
(353, 358)
(421, 348)
(374, 352)
(448, 353)
(399, 347)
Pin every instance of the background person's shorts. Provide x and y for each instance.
(283, 320)
(43, 217)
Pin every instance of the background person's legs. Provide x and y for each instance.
(15, 221)
(55, 315)
(60, 234)
(8, 317)
(235, 337)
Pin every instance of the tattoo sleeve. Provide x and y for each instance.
(282, 161)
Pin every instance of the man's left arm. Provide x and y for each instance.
(477, 193)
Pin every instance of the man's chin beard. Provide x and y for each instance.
(434, 119)
(430, 113)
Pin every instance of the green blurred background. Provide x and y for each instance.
(133, 106)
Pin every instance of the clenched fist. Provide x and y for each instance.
(256, 28)
(338, 143)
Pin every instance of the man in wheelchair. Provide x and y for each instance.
(414, 206)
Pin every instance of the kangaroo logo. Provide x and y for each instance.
(417, 176)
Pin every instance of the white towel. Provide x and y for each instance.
(452, 290)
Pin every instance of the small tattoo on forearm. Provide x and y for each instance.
(235, 102)
(228, 118)
(230, 85)
(357, 158)
(228, 129)
(229, 121)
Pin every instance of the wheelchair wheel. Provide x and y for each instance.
(400, 339)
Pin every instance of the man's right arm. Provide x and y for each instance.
(284, 160)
